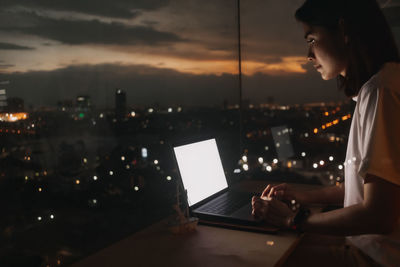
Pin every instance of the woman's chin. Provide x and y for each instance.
(326, 77)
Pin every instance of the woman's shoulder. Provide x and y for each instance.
(389, 76)
(369, 90)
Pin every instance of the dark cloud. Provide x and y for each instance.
(146, 85)
(77, 32)
(5, 66)
(107, 8)
(8, 46)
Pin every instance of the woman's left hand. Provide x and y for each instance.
(272, 211)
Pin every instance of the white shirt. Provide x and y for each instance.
(374, 148)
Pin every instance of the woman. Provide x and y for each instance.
(351, 40)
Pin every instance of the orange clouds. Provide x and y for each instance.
(288, 65)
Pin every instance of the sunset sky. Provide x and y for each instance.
(172, 52)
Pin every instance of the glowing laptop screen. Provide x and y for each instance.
(201, 170)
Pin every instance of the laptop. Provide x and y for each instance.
(208, 194)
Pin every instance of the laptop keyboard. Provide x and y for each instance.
(226, 204)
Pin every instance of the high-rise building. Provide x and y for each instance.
(83, 106)
(83, 102)
(120, 104)
(3, 95)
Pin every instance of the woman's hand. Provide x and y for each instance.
(283, 192)
(272, 211)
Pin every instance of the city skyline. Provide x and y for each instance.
(159, 51)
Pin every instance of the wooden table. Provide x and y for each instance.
(208, 246)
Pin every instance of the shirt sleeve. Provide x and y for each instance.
(380, 135)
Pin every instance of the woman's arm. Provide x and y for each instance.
(332, 195)
(377, 214)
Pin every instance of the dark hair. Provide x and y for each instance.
(370, 40)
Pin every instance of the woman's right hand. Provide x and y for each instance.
(283, 192)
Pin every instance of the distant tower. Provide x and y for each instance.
(3, 99)
(83, 106)
(120, 104)
(3, 95)
(83, 102)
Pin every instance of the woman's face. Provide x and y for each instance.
(326, 51)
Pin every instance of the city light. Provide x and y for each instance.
(136, 188)
(150, 110)
(306, 135)
(340, 167)
(330, 158)
(77, 181)
(169, 178)
(111, 173)
(84, 160)
(245, 167)
(244, 158)
(268, 168)
(169, 110)
(236, 171)
(26, 178)
(315, 130)
(40, 189)
(39, 218)
(52, 216)
(155, 162)
(315, 165)
(95, 177)
(321, 162)
(122, 158)
(266, 148)
(260, 160)
(13, 117)
(133, 114)
(303, 154)
(127, 167)
(275, 161)
(144, 153)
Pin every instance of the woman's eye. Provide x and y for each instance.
(311, 41)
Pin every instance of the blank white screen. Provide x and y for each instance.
(201, 170)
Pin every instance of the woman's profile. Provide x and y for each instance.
(351, 41)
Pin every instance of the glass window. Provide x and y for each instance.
(92, 96)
